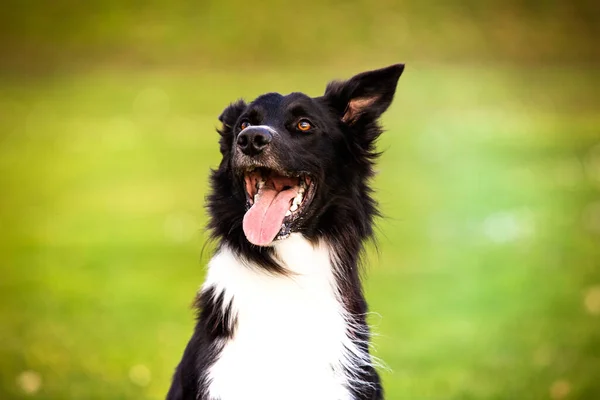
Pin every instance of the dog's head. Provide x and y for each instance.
(296, 163)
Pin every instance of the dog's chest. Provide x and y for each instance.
(290, 337)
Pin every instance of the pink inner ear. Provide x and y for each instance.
(355, 108)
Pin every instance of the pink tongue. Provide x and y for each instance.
(263, 220)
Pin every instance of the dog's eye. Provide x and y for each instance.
(303, 125)
(244, 125)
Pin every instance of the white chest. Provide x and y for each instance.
(290, 341)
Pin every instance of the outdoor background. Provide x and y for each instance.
(487, 283)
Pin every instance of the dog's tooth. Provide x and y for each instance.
(294, 207)
(255, 197)
(288, 213)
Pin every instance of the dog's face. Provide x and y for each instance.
(295, 163)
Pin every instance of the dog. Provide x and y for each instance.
(281, 314)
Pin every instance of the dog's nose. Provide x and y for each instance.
(253, 140)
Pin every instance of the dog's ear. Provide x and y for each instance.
(228, 118)
(230, 115)
(366, 95)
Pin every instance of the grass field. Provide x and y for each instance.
(487, 280)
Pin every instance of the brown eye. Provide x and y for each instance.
(244, 125)
(304, 125)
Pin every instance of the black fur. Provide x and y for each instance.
(338, 153)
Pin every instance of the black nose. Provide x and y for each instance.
(253, 140)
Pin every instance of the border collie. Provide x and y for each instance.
(282, 315)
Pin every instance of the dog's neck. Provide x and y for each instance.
(287, 329)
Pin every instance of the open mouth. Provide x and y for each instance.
(274, 201)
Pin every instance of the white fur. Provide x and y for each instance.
(290, 341)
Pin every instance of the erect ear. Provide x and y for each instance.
(367, 94)
(228, 118)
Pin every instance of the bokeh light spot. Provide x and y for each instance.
(180, 227)
(592, 300)
(591, 217)
(508, 226)
(560, 389)
(140, 375)
(29, 381)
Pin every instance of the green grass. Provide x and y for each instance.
(483, 286)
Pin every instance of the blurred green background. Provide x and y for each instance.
(487, 282)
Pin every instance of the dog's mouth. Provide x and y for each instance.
(274, 201)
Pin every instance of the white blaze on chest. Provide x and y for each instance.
(290, 333)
